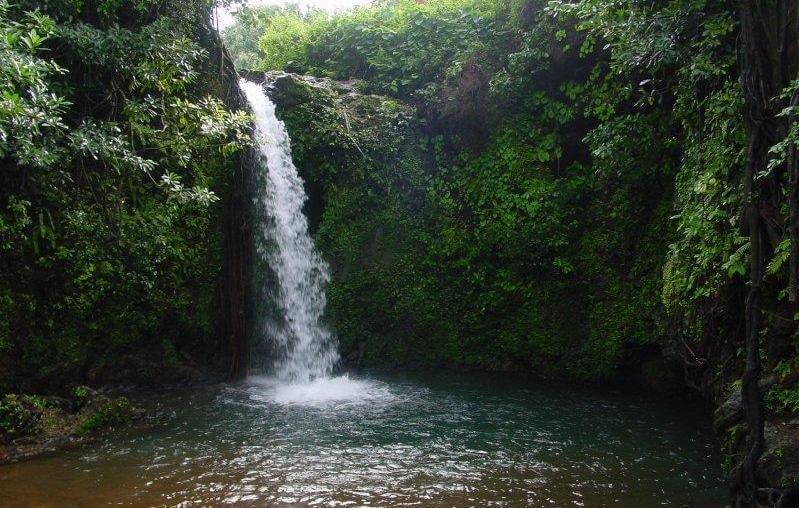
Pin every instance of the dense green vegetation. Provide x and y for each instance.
(536, 230)
(114, 143)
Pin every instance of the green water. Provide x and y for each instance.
(389, 441)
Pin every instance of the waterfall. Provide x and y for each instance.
(307, 350)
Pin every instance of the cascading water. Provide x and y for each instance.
(308, 349)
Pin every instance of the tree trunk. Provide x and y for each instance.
(793, 207)
(234, 292)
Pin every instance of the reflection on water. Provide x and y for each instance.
(385, 441)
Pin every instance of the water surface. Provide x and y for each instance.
(389, 441)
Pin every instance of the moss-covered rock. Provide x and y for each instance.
(32, 424)
(20, 416)
(366, 176)
(455, 257)
(105, 413)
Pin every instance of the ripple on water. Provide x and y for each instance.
(384, 441)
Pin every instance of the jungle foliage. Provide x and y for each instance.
(113, 144)
(579, 185)
(524, 134)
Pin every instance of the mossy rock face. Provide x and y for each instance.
(660, 376)
(779, 464)
(339, 136)
(32, 424)
(289, 90)
(105, 413)
(365, 174)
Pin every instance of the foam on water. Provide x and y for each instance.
(322, 391)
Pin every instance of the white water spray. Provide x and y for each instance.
(308, 348)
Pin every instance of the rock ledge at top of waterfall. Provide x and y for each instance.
(286, 83)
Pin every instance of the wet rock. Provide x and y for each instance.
(289, 89)
(731, 410)
(779, 464)
(31, 425)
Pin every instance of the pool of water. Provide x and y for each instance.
(389, 441)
